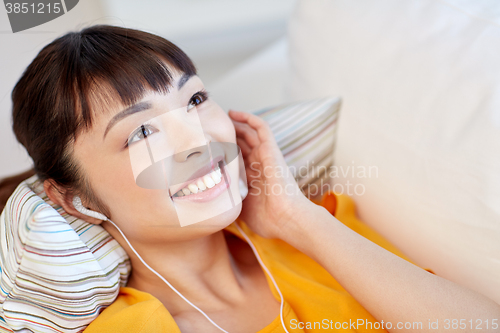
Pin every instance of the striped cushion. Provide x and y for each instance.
(305, 132)
(57, 272)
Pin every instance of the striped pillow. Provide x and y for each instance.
(306, 133)
(57, 273)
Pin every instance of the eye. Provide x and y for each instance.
(197, 99)
(142, 132)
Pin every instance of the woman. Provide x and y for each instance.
(83, 103)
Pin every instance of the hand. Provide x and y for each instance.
(273, 194)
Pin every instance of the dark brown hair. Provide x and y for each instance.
(57, 95)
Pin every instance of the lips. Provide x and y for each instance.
(205, 170)
(224, 180)
(201, 184)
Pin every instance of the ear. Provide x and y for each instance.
(61, 196)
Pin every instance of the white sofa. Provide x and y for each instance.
(420, 82)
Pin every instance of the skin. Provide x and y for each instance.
(219, 273)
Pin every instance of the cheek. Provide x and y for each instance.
(110, 179)
(116, 187)
(219, 126)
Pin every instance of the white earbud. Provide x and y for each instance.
(77, 203)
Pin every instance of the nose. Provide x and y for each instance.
(183, 140)
(183, 156)
(188, 136)
(195, 152)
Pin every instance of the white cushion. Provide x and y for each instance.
(257, 83)
(420, 82)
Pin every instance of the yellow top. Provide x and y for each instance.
(314, 300)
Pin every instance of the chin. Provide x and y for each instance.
(218, 222)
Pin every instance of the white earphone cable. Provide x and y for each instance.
(164, 280)
(83, 210)
(189, 302)
(267, 272)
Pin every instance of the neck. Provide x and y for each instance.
(203, 270)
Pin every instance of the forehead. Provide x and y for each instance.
(110, 87)
(105, 100)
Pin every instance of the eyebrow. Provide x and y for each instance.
(141, 106)
(182, 81)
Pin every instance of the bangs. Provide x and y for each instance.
(78, 75)
(115, 65)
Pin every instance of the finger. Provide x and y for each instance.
(236, 115)
(257, 123)
(245, 149)
(246, 132)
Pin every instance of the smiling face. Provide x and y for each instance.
(199, 184)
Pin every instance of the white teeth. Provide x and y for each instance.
(193, 188)
(208, 181)
(201, 185)
(215, 176)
